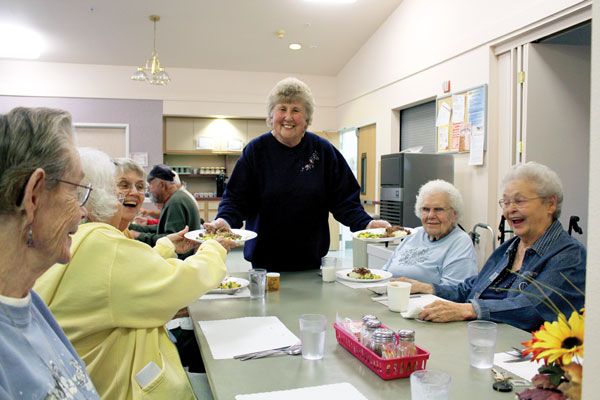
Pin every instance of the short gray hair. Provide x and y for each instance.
(440, 186)
(99, 171)
(545, 181)
(125, 165)
(290, 90)
(32, 138)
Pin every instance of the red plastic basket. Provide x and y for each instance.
(392, 368)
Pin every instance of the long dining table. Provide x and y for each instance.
(305, 293)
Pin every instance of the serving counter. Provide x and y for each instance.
(304, 292)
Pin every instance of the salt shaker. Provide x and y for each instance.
(382, 343)
(370, 327)
(406, 343)
(363, 328)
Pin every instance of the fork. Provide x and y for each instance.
(292, 351)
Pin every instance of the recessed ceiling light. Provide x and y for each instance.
(332, 1)
(19, 42)
(295, 46)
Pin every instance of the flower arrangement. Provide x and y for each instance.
(560, 345)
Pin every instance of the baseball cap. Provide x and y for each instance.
(161, 171)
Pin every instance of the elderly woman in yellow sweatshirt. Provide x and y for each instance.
(115, 295)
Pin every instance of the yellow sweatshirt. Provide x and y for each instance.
(114, 297)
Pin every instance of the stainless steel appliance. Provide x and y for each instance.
(402, 174)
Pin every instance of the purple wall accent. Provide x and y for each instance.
(143, 116)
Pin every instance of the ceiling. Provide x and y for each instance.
(207, 34)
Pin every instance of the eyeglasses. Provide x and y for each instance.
(436, 210)
(125, 186)
(83, 192)
(520, 202)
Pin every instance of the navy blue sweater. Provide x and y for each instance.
(285, 194)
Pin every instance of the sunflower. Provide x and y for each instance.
(560, 340)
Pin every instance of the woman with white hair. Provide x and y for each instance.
(115, 294)
(286, 183)
(542, 264)
(439, 251)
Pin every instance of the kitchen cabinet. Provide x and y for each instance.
(208, 208)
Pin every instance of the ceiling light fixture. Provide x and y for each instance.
(19, 42)
(295, 46)
(151, 71)
(332, 1)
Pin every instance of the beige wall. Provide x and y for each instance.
(591, 386)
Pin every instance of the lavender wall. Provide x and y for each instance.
(143, 116)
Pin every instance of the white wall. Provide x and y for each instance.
(191, 92)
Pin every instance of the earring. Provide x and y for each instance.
(30, 238)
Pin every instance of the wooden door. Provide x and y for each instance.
(366, 166)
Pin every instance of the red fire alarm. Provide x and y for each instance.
(446, 86)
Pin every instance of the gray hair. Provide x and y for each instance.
(125, 165)
(545, 181)
(440, 186)
(32, 138)
(99, 171)
(290, 90)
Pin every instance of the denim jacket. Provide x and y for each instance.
(552, 258)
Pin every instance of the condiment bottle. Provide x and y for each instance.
(370, 327)
(382, 343)
(363, 328)
(406, 343)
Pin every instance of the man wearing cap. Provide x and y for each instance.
(178, 209)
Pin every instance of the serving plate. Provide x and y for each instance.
(343, 274)
(379, 231)
(245, 235)
(241, 281)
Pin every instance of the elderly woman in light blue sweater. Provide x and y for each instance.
(439, 251)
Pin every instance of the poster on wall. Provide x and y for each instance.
(461, 123)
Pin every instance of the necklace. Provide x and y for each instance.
(64, 387)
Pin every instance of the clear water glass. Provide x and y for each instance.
(257, 278)
(312, 332)
(482, 343)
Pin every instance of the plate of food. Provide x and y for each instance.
(376, 235)
(363, 274)
(239, 236)
(230, 285)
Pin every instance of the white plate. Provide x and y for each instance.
(243, 283)
(246, 235)
(378, 231)
(343, 274)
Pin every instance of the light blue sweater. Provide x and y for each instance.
(449, 260)
(28, 335)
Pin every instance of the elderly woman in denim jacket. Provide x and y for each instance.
(542, 262)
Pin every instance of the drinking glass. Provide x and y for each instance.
(312, 332)
(328, 267)
(257, 278)
(430, 385)
(482, 343)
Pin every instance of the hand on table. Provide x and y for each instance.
(181, 243)
(416, 286)
(446, 311)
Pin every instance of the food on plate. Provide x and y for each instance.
(229, 285)
(225, 234)
(394, 231)
(362, 273)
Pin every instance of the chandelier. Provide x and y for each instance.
(151, 71)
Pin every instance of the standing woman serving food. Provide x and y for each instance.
(286, 183)
(41, 203)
